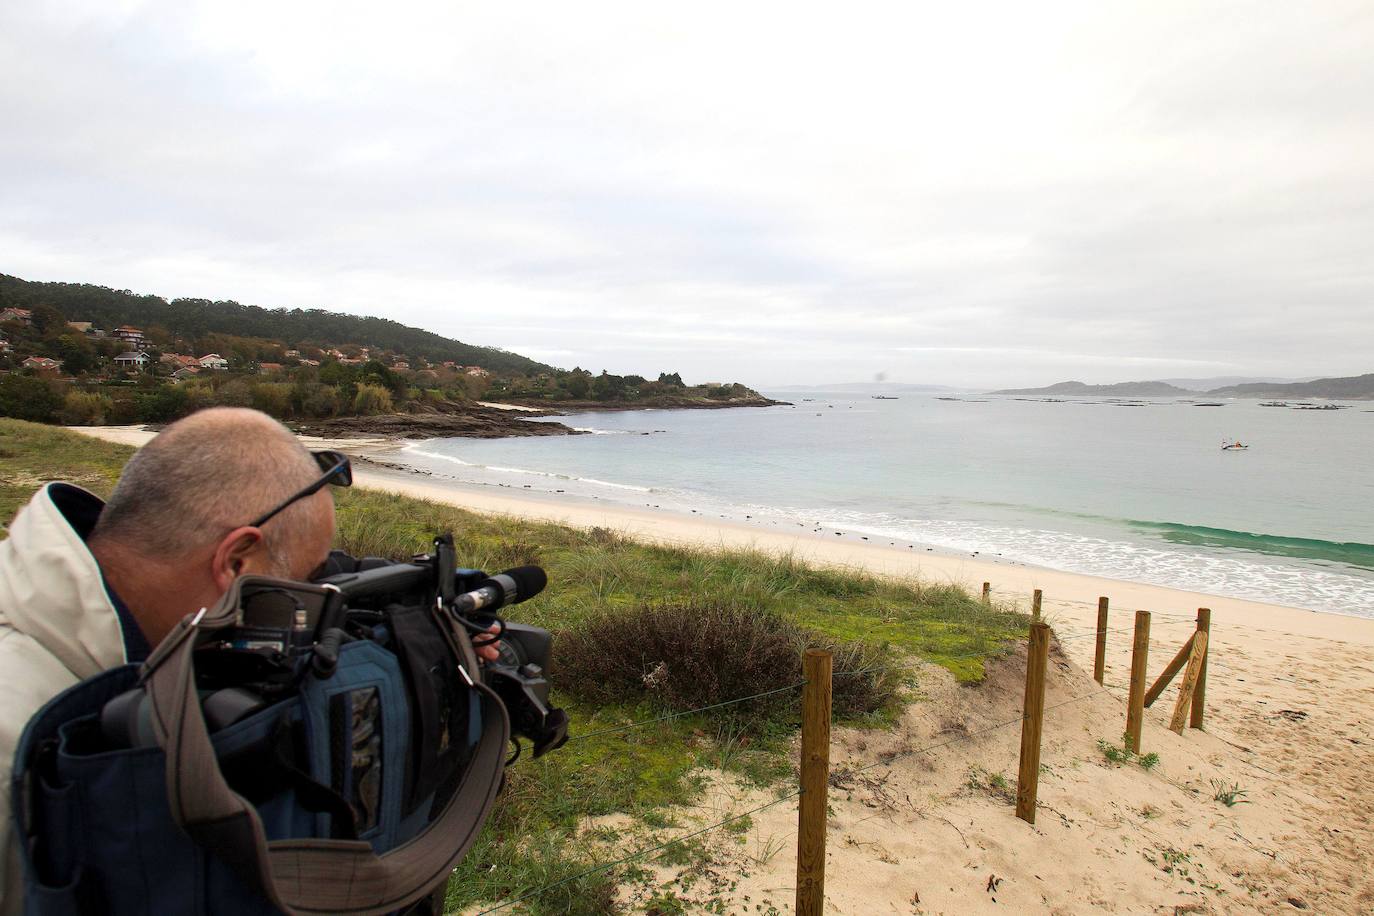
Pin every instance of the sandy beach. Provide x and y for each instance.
(1287, 723)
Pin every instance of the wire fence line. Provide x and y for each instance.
(882, 761)
(937, 658)
(1019, 596)
(686, 712)
(889, 760)
(639, 854)
(1112, 690)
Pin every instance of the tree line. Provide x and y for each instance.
(290, 377)
(195, 318)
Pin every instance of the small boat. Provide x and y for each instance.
(1236, 446)
(884, 397)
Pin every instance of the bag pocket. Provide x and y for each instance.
(56, 818)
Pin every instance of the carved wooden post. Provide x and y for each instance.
(1170, 671)
(987, 593)
(1190, 679)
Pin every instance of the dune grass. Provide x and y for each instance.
(593, 571)
(32, 454)
(536, 837)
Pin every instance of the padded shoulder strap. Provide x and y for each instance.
(305, 875)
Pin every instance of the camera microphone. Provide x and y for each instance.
(509, 587)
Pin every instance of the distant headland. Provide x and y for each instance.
(1355, 387)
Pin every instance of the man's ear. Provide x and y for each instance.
(234, 555)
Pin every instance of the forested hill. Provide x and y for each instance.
(193, 318)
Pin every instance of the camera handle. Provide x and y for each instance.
(445, 566)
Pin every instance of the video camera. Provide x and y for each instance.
(285, 631)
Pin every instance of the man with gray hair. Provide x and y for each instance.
(85, 587)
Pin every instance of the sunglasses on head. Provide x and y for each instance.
(337, 471)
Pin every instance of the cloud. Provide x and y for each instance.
(982, 193)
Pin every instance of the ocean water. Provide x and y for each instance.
(1142, 493)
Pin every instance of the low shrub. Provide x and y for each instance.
(686, 656)
(85, 408)
(27, 398)
(371, 400)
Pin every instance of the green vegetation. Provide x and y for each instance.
(60, 344)
(1229, 795)
(580, 387)
(994, 784)
(1124, 754)
(202, 318)
(32, 455)
(596, 571)
(539, 832)
(703, 653)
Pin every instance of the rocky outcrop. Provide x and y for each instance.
(472, 422)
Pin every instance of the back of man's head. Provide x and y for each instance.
(203, 476)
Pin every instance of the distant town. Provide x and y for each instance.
(72, 365)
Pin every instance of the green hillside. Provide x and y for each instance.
(194, 318)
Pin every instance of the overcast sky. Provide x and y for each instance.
(963, 193)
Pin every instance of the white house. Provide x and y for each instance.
(213, 361)
(134, 359)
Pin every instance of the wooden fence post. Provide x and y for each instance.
(1100, 660)
(1032, 719)
(1204, 627)
(1135, 704)
(1035, 607)
(987, 593)
(815, 780)
(1190, 677)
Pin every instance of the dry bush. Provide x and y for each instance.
(686, 656)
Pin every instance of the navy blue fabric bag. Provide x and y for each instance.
(318, 819)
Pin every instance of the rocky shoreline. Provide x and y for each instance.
(471, 422)
(666, 402)
(479, 422)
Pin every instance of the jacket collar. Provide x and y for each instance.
(50, 586)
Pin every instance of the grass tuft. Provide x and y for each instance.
(1229, 795)
(1123, 754)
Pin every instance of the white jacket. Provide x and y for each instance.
(58, 626)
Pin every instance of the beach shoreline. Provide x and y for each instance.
(1069, 595)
